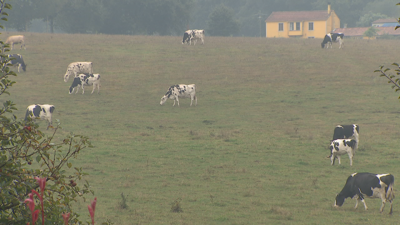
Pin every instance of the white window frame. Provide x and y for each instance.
(310, 26)
(291, 26)
(280, 25)
(298, 25)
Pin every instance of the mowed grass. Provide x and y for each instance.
(253, 151)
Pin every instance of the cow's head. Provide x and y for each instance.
(339, 200)
(66, 76)
(163, 100)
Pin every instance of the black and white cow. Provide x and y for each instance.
(340, 147)
(85, 79)
(186, 36)
(193, 35)
(333, 37)
(43, 112)
(347, 131)
(76, 68)
(17, 60)
(360, 185)
(180, 91)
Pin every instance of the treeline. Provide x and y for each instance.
(172, 17)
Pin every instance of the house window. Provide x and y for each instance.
(292, 26)
(311, 26)
(280, 26)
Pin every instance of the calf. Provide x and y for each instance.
(340, 147)
(43, 112)
(17, 60)
(16, 39)
(370, 185)
(332, 37)
(85, 79)
(77, 68)
(180, 91)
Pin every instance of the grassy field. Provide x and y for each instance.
(253, 151)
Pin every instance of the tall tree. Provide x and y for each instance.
(222, 23)
(50, 9)
(23, 13)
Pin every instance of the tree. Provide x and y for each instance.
(23, 13)
(49, 10)
(27, 154)
(371, 32)
(367, 19)
(222, 23)
(385, 72)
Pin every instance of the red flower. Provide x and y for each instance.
(66, 217)
(31, 205)
(31, 202)
(27, 128)
(42, 184)
(92, 208)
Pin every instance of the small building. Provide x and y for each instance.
(305, 24)
(391, 22)
(358, 32)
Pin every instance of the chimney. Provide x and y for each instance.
(329, 8)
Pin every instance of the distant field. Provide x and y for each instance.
(253, 151)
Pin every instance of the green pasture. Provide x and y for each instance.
(253, 151)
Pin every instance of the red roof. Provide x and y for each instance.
(390, 20)
(297, 16)
(359, 31)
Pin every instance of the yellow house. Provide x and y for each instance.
(306, 24)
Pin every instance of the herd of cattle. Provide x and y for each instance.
(345, 138)
(358, 185)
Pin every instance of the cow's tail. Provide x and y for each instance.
(27, 114)
(390, 191)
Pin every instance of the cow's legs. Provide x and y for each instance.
(365, 205)
(94, 87)
(83, 89)
(383, 205)
(351, 159)
(77, 89)
(177, 99)
(19, 67)
(355, 207)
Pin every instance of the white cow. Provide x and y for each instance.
(180, 91)
(197, 35)
(85, 79)
(16, 39)
(342, 146)
(43, 112)
(77, 68)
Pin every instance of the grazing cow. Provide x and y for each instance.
(16, 39)
(77, 68)
(43, 112)
(180, 91)
(193, 35)
(333, 37)
(342, 146)
(17, 60)
(186, 36)
(370, 185)
(347, 131)
(85, 79)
